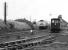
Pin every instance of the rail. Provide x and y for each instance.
(26, 43)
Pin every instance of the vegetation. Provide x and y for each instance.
(25, 20)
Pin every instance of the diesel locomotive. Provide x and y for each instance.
(42, 25)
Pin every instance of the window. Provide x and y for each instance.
(52, 21)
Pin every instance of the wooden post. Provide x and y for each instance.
(5, 12)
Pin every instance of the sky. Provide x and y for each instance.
(34, 9)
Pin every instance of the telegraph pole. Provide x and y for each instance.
(5, 12)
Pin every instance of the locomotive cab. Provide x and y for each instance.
(55, 25)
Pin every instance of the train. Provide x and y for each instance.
(42, 25)
(55, 25)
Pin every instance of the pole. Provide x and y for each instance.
(5, 12)
(30, 18)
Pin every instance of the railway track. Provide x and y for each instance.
(27, 43)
